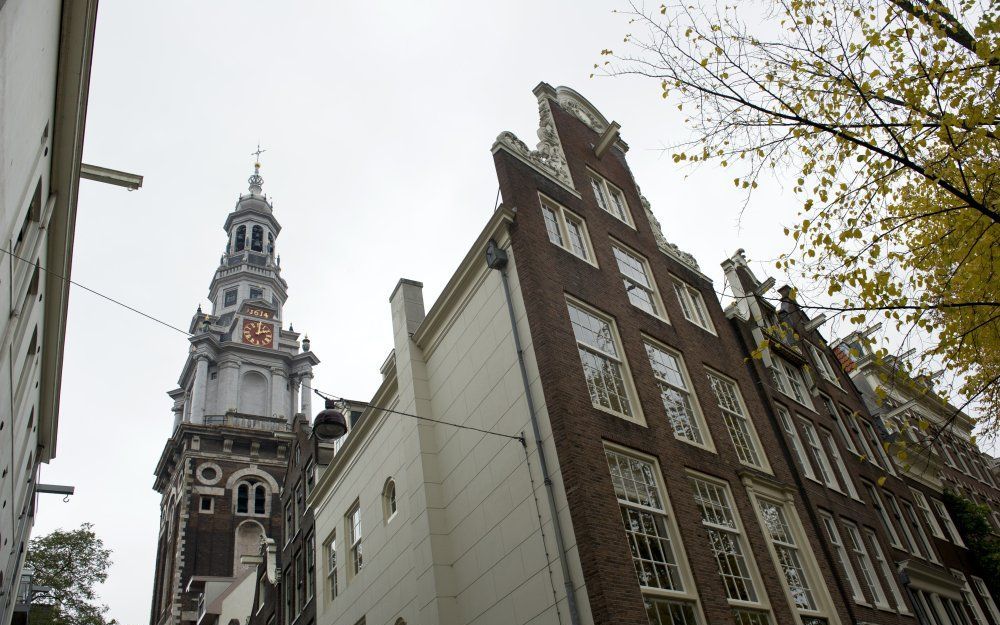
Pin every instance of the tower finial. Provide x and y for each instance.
(256, 180)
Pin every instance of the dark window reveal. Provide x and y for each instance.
(230, 298)
(241, 238)
(259, 495)
(257, 239)
(243, 499)
(256, 293)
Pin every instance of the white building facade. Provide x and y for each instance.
(45, 55)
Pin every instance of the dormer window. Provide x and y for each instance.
(257, 239)
(241, 238)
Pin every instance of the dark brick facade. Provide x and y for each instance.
(197, 543)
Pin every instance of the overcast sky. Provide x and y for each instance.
(377, 119)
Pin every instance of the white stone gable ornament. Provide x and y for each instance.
(548, 155)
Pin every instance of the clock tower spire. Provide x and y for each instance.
(233, 409)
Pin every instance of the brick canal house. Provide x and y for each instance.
(595, 444)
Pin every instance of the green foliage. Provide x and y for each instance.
(973, 524)
(882, 117)
(72, 564)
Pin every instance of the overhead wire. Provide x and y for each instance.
(319, 392)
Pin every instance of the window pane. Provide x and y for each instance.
(667, 612)
(787, 553)
(599, 357)
(736, 421)
(724, 539)
(576, 239)
(552, 226)
(674, 393)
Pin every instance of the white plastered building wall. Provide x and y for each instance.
(45, 54)
(472, 541)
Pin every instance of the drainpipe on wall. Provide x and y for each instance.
(496, 258)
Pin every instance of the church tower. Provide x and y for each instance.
(245, 380)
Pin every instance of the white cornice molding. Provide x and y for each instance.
(548, 156)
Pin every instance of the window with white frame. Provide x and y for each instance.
(973, 610)
(949, 524)
(289, 521)
(657, 554)
(841, 426)
(603, 367)
(909, 542)
(986, 597)
(823, 365)
(946, 452)
(679, 401)
(845, 562)
(823, 467)
(638, 279)
(801, 579)
(884, 514)
(925, 509)
(888, 573)
(693, 305)
(788, 380)
(389, 500)
(876, 444)
(567, 230)
(838, 462)
(725, 537)
(918, 530)
(734, 413)
(353, 526)
(868, 573)
(793, 435)
(610, 198)
(331, 565)
(310, 566)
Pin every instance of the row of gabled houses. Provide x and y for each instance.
(576, 431)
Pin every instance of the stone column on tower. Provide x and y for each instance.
(199, 389)
(279, 392)
(229, 371)
(295, 397)
(307, 394)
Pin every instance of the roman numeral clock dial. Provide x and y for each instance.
(258, 333)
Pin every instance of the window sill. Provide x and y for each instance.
(653, 315)
(698, 325)
(637, 420)
(576, 256)
(709, 448)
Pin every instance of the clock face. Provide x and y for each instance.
(258, 333)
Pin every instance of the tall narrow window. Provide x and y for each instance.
(354, 538)
(949, 524)
(389, 500)
(869, 453)
(602, 365)
(865, 565)
(331, 565)
(845, 561)
(894, 510)
(610, 198)
(793, 436)
(887, 572)
(725, 537)
(288, 583)
(788, 380)
(876, 443)
(257, 239)
(737, 422)
(651, 536)
(841, 426)
(289, 521)
(918, 529)
(987, 598)
(797, 581)
(259, 499)
(819, 455)
(678, 400)
(972, 608)
(823, 364)
(693, 305)
(566, 230)
(241, 238)
(639, 284)
(310, 566)
(838, 462)
(925, 509)
(243, 499)
(300, 582)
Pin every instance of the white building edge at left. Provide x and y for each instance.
(46, 49)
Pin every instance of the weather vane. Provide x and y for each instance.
(257, 154)
(256, 180)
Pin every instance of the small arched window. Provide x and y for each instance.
(241, 238)
(389, 499)
(243, 499)
(257, 239)
(259, 499)
(270, 243)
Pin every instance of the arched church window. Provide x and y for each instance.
(241, 238)
(270, 243)
(243, 499)
(259, 497)
(257, 239)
